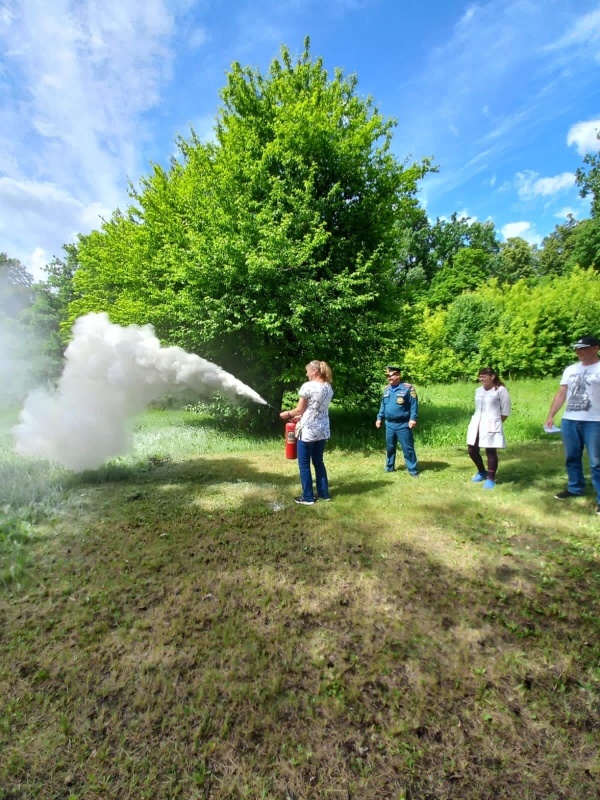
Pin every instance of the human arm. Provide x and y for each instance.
(504, 403)
(557, 404)
(380, 413)
(414, 408)
(295, 413)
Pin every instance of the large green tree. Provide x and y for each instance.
(468, 269)
(275, 244)
(15, 286)
(588, 179)
(448, 237)
(46, 318)
(428, 249)
(516, 260)
(556, 252)
(587, 244)
(17, 349)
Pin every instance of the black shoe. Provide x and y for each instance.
(414, 474)
(565, 495)
(302, 502)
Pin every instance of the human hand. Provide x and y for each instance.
(412, 423)
(378, 423)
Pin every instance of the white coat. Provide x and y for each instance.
(490, 407)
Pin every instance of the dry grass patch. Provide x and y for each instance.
(191, 633)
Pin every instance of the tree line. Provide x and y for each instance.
(298, 234)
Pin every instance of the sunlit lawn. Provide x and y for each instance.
(175, 627)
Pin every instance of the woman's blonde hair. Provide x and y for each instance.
(323, 368)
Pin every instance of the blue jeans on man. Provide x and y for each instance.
(400, 432)
(307, 452)
(576, 436)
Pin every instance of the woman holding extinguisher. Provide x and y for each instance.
(312, 430)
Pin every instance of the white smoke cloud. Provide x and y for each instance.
(111, 374)
(18, 366)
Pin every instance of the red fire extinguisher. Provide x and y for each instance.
(290, 440)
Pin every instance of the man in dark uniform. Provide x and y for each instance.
(399, 408)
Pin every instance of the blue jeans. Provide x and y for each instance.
(576, 435)
(307, 452)
(400, 432)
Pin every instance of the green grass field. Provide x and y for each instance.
(174, 626)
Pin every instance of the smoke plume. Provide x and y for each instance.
(18, 363)
(111, 374)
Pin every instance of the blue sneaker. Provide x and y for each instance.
(489, 484)
(478, 477)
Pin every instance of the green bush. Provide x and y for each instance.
(522, 330)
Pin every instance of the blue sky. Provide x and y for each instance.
(504, 94)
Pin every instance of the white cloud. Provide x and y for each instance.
(584, 135)
(584, 31)
(85, 74)
(532, 74)
(492, 181)
(464, 214)
(205, 128)
(53, 213)
(565, 212)
(524, 230)
(37, 261)
(530, 185)
(197, 38)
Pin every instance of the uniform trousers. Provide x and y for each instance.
(400, 432)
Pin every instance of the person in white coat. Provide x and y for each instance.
(486, 429)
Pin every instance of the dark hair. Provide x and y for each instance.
(493, 374)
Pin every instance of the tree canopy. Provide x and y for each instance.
(296, 233)
(275, 244)
(15, 286)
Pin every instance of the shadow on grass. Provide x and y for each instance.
(358, 487)
(433, 466)
(192, 472)
(188, 476)
(527, 466)
(398, 674)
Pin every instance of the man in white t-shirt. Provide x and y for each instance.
(580, 426)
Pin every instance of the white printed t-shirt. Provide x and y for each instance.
(583, 392)
(314, 422)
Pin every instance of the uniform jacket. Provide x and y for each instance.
(400, 404)
(490, 407)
